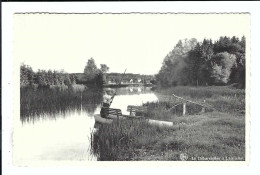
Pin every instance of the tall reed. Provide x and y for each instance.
(122, 139)
(51, 101)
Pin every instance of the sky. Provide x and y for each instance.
(136, 42)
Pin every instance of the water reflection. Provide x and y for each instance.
(48, 102)
(67, 137)
(61, 130)
(122, 101)
(132, 90)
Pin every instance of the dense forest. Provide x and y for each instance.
(205, 63)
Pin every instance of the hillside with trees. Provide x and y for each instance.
(205, 63)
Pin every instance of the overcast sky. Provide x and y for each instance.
(138, 42)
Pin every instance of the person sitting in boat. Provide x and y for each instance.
(107, 100)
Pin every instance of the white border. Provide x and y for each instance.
(126, 7)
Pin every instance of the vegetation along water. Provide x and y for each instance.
(210, 74)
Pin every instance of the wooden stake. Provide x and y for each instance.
(203, 110)
(184, 109)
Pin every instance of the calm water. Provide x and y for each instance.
(65, 134)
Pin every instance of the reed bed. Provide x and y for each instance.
(51, 101)
(123, 139)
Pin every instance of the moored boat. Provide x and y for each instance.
(100, 119)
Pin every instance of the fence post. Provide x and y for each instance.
(203, 108)
(184, 108)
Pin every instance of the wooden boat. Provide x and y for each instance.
(112, 115)
(100, 119)
(117, 114)
(107, 120)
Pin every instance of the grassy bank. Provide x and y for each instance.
(221, 98)
(210, 135)
(215, 135)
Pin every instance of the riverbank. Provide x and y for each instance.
(127, 85)
(213, 135)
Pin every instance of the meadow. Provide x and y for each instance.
(216, 134)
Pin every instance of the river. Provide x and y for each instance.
(65, 135)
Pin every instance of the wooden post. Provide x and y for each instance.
(131, 110)
(203, 110)
(184, 109)
(203, 107)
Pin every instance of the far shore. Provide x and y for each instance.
(126, 85)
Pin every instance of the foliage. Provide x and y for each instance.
(93, 75)
(26, 75)
(205, 63)
(222, 66)
(90, 70)
(104, 68)
(42, 78)
(60, 79)
(173, 69)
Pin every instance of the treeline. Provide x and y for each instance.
(98, 76)
(43, 78)
(205, 63)
(116, 78)
(92, 76)
(127, 77)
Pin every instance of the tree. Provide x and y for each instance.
(174, 68)
(72, 79)
(205, 63)
(99, 79)
(26, 75)
(104, 68)
(221, 69)
(41, 78)
(90, 70)
(67, 80)
(194, 63)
